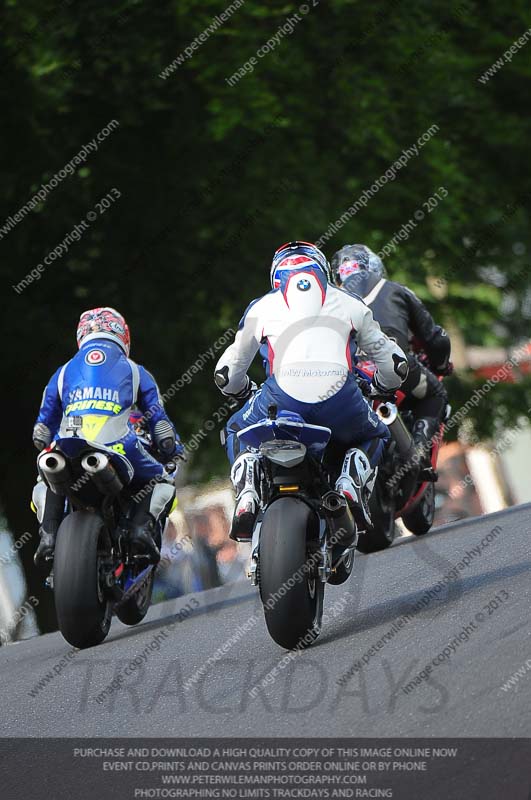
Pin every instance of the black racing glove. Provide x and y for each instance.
(445, 370)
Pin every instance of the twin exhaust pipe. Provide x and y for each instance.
(56, 470)
(103, 473)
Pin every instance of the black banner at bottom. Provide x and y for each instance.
(453, 769)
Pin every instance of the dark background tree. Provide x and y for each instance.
(214, 177)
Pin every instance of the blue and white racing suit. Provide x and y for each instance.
(101, 384)
(307, 326)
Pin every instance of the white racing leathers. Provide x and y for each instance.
(307, 326)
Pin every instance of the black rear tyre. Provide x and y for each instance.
(287, 578)
(136, 607)
(382, 533)
(83, 612)
(420, 519)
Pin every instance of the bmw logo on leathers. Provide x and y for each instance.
(303, 285)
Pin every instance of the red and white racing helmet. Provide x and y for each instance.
(103, 323)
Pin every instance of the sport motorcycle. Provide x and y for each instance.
(305, 534)
(95, 573)
(401, 490)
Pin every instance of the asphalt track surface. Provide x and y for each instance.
(461, 697)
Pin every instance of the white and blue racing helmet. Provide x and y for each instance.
(298, 257)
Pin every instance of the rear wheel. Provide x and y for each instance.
(290, 588)
(83, 611)
(382, 533)
(420, 519)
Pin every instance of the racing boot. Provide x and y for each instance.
(244, 477)
(142, 537)
(425, 431)
(152, 503)
(49, 508)
(45, 550)
(356, 483)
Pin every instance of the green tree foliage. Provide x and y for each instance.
(213, 177)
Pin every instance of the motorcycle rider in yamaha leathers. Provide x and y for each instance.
(103, 382)
(400, 313)
(306, 324)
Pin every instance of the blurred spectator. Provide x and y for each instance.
(197, 553)
(175, 575)
(456, 495)
(230, 556)
(232, 562)
(205, 561)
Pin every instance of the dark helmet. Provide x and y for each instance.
(356, 268)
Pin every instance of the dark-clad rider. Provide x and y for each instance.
(402, 315)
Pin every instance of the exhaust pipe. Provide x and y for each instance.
(388, 414)
(103, 473)
(56, 472)
(341, 521)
